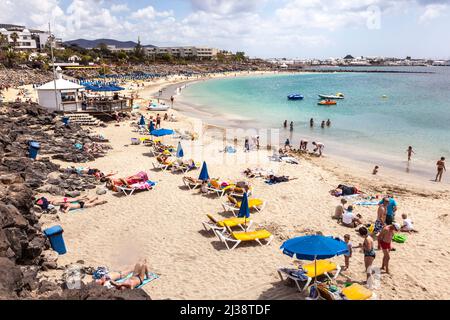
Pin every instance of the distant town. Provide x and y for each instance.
(35, 43)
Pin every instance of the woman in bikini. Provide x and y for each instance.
(368, 250)
(140, 273)
(86, 203)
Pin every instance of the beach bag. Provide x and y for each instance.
(399, 238)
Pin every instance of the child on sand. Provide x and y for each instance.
(408, 225)
(375, 170)
(340, 209)
(349, 255)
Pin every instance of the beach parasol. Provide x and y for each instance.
(204, 176)
(180, 152)
(142, 121)
(314, 247)
(244, 210)
(161, 132)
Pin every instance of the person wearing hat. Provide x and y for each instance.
(385, 241)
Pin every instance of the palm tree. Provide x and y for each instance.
(14, 37)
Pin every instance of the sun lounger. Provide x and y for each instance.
(253, 203)
(215, 187)
(235, 238)
(357, 292)
(192, 183)
(214, 224)
(239, 192)
(129, 190)
(308, 272)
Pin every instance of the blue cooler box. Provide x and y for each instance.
(33, 149)
(56, 239)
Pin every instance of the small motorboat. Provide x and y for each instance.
(295, 96)
(157, 107)
(336, 96)
(327, 103)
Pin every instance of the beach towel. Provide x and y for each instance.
(143, 185)
(296, 273)
(366, 203)
(152, 276)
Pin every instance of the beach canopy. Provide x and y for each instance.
(161, 132)
(204, 176)
(142, 121)
(244, 210)
(180, 152)
(314, 247)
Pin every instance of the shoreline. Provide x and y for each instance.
(416, 174)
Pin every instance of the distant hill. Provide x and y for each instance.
(83, 43)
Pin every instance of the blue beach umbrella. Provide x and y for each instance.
(314, 247)
(204, 176)
(142, 121)
(161, 132)
(180, 152)
(244, 210)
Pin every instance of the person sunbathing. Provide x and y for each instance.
(88, 203)
(277, 179)
(343, 190)
(44, 201)
(140, 273)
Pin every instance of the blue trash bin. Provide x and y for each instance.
(56, 239)
(65, 120)
(33, 149)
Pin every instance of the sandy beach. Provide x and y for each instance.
(164, 225)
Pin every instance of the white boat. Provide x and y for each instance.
(337, 96)
(157, 107)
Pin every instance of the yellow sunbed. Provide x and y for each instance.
(357, 292)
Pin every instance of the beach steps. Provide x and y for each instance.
(83, 119)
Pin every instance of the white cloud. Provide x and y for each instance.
(150, 13)
(433, 11)
(227, 7)
(120, 8)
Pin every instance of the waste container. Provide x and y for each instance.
(33, 149)
(56, 239)
(65, 120)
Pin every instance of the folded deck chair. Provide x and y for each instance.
(357, 292)
(237, 237)
(253, 203)
(214, 224)
(151, 276)
(215, 187)
(129, 190)
(324, 267)
(192, 183)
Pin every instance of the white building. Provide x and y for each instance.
(60, 95)
(184, 52)
(26, 39)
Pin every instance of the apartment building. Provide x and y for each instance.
(184, 52)
(23, 39)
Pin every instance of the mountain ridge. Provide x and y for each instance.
(88, 44)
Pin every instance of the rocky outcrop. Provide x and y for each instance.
(24, 250)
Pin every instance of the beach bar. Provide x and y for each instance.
(69, 97)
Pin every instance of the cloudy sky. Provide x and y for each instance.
(264, 28)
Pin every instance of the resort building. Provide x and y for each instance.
(184, 52)
(22, 39)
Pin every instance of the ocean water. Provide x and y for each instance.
(416, 110)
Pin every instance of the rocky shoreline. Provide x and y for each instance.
(24, 250)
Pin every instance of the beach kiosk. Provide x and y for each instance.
(60, 94)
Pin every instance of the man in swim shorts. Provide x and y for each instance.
(385, 241)
(440, 169)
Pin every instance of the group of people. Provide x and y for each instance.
(382, 230)
(318, 146)
(322, 124)
(67, 204)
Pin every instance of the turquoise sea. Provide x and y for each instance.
(415, 111)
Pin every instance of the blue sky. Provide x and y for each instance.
(264, 28)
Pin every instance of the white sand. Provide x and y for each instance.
(164, 226)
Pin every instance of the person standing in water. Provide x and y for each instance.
(410, 152)
(328, 123)
(311, 122)
(285, 123)
(440, 169)
(171, 100)
(291, 126)
(322, 125)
